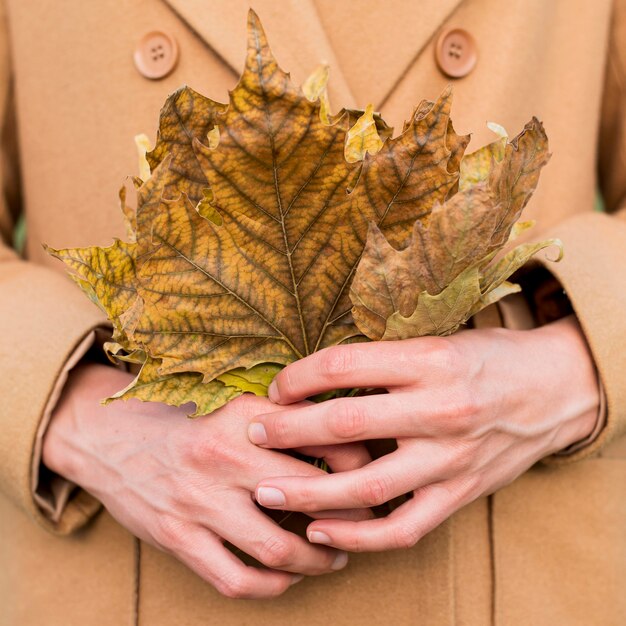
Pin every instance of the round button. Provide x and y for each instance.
(456, 52)
(156, 55)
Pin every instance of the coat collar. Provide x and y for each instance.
(300, 42)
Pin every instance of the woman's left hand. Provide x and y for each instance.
(470, 413)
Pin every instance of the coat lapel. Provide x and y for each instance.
(302, 38)
(377, 42)
(293, 28)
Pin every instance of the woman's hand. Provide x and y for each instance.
(470, 413)
(185, 486)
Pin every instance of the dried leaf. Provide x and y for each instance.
(106, 275)
(441, 314)
(176, 390)
(129, 213)
(492, 296)
(254, 380)
(445, 274)
(314, 88)
(117, 353)
(476, 167)
(513, 180)
(363, 137)
(457, 236)
(495, 273)
(186, 116)
(143, 147)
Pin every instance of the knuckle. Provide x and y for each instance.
(276, 552)
(443, 354)
(246, 404)
(233, 587)
(337, 361)
(216, 453)
(279, 430)
(348, 420)
(373, 491)
(355, 543)
(168, 532)
(203, 450)
(403, 537)
(463, 410)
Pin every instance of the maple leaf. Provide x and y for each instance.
(252, 216)
(269, 283)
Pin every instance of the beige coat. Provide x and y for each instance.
(548, 549)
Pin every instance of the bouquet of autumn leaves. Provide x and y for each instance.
(268, 228)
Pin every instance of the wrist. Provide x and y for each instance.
(66, 442)
(579, 393)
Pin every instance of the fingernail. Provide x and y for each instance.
(296, 579)
(256, 433)
(269, 496)
(316, 536)
(272, 392)
(341, 560)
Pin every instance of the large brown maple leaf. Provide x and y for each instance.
(248, 232)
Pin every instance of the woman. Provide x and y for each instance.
(472, 414)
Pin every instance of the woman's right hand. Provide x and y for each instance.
(186, 486)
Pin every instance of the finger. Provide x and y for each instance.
(382, 416)
(382, 480)
(204, 553)
(340, 458)
(403, 528)
(272, 463)
(277, 548)
(376, 364)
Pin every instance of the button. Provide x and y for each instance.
(456, 52)
(156, 55)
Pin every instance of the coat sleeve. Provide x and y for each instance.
(45, 324)
(593, 270)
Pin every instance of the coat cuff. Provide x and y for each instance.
(592, 276)
(46, 324)
(59, 499)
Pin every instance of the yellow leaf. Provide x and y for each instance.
(363, 137)
(116, 353)
(176, 390)
(254, 380)
(107, 275)
(314, 88)
(476, 167)
(143, 147)
(129, 213)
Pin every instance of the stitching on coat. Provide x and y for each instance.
(137, 568)
(492, 559)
